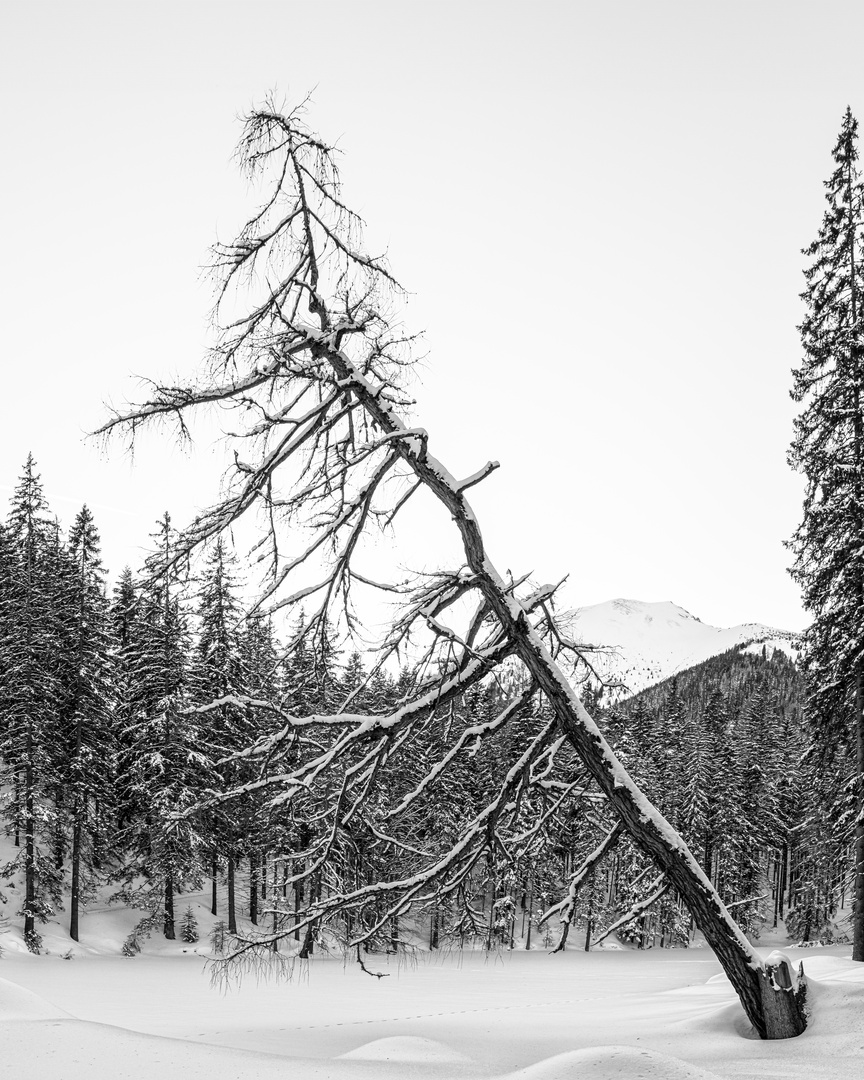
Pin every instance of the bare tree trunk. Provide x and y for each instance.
(530, 905)
(775, 1014)
(168, 924)
(214, 870)
(298, 904)
(232, 907)
(17, 839)
(75, 889)
(253, 888)
(308, 946)
(29, 848)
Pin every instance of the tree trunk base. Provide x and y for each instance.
(783, 1002)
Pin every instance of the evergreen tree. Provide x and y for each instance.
(166, 765)
(87, 774)
(261, 666)
(219, 672)
(189, 927)
(722, 806)
(124, 627)
(829, 449)
(31, 697)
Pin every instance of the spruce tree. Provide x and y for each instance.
(261, 667)
(87, 766)
(219, 673)
(166, 765)
(31, 696)
(125, 628)
(828, 448)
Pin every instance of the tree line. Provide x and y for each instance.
(724, 751)
(115, 762)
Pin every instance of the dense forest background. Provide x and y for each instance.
(125, 720)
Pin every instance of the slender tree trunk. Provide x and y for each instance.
(232, 909)
(79, 813)
(214, 870)
(253, 888)
(168, 926)
(98, 842)
(75, 890)
(298, 904)
(29, 847)
(783, 878)
(18, 806)
(308, 946)
(59, 838)
(530, 904)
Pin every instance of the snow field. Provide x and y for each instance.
(610, 1014)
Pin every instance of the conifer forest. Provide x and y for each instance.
(238, 718)
(115, 758)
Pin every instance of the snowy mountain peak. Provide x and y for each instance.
(648, 642)
(663, 609)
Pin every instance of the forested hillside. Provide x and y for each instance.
(722, 749)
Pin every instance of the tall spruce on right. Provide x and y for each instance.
(828, 448)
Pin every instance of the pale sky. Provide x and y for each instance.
(597, 207)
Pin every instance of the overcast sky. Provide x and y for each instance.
(598, 209)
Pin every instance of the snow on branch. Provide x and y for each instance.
(477, 477)
(568, 904)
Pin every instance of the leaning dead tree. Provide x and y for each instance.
(310, 366)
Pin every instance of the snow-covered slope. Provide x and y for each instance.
(649, 642)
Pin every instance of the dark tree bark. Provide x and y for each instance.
(214, 872)
(168, 920)
(253, 888)
(232, 906)
(75, 888)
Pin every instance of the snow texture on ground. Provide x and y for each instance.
(666, 1014)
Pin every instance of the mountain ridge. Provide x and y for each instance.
(642, 643)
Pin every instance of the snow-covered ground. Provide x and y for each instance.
(613, 1013)
(649, 642)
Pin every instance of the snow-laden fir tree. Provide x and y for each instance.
(166, 767)
(29, 729)
(262, 668)
(828, 449)
(723, 793)
(189, 926)
(218, 673)
(87, 746)
(124, 625)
